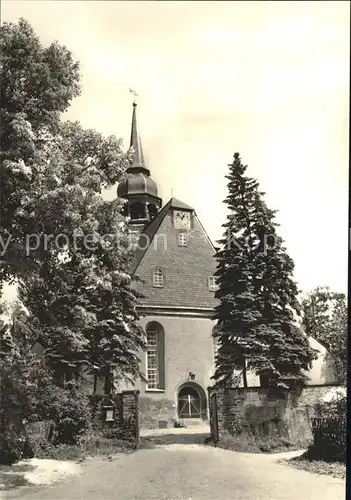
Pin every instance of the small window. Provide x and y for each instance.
(212, 285)
(158, 278)
(182, 239)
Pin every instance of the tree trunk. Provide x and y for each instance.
(108, 382)
(244, 374)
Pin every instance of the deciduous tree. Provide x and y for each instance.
(325, 318)
(69, 248)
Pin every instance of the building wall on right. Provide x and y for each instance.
(322, 371)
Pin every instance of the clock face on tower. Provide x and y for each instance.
(182, 220)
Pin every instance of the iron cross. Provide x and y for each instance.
(134, 93)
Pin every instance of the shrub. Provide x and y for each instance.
(14, 442)
(19, 397)
(248, 442)
(329, 431)
(96, 443)
(91, 444)
(114, 432)
(28, 394)
(70, 411)
(58, 452)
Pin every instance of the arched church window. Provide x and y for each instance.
(158, 278)
(155, 357)
(137, 210)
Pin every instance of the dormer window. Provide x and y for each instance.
(182, 239)
(158, 278)
(212, 284)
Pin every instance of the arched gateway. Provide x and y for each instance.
(192, 401)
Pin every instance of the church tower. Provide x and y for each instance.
(137, 187)
(175, 262)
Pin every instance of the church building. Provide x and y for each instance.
(175, 261)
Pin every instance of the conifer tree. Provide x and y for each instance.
(288, 353)
(257, 295)
(237, 313)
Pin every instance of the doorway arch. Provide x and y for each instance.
(191, 401)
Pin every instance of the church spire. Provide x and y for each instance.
(137, 157)
(136, 185)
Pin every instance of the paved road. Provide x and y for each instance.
(182, 470)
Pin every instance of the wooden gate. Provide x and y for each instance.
(189, 403)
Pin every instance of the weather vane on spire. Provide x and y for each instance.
(134, 94)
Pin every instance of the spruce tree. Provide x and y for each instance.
(257, 294)
(237, 313)
(288, 353)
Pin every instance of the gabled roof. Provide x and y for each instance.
(149, 231)
(152, 228)
(174, 203)
(187, 269)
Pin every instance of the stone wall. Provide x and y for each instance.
(130, 415)
(268, 412)
(155, 412)
(125, 406)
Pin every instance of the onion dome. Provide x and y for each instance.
(137, 186)
(136, 183)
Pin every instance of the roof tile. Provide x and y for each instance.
(186, 268)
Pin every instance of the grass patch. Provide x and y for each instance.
(247, 443)
(147, 443)
(306, 462)
(92, 445)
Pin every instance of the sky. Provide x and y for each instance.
(269, 80)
